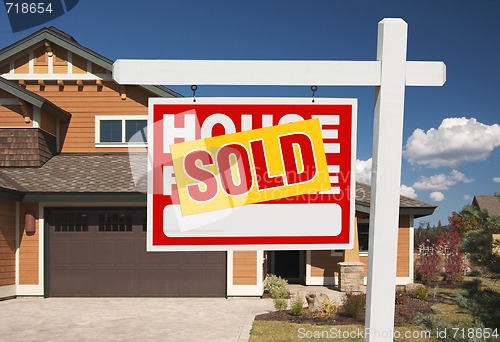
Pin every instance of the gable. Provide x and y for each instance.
(51, 54)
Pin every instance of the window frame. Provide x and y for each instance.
(366, 223)
(123, 119)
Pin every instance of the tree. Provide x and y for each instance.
(479, 228)
(453, 263)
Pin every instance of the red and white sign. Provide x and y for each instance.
(320, 220)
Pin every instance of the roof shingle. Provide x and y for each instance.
(123, 172)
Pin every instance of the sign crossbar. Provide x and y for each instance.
(390, 74)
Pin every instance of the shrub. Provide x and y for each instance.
(280, 303)
(399, 299)
(329, 307)
(297, 305)
(474, 273)
(421, 292)
(460, 300)
(453, 264)
(354, 304)
(434, 325)
(429, 263)
(273, 281)
(279, 292)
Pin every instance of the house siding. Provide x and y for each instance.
(7, 243)
(244, 268)
(87, 102)
(325, 265)
(28, 247)
(12, 116)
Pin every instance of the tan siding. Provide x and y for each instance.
(96, 69)
(244, 267)
(87, 102)
(403, 259)
(364, 260)
(323, 264)
(48, 122)
(7, 243)
(28, 247)
(21, 65)
(60, 69)
(41, 61)
(12, 116)
(4, 69)
(79, 65)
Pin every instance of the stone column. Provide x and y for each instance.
(351, 276)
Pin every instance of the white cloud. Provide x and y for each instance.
(364, 171)
(466, 197)
(408, 191)
(455, 141)
(441, 181)
(496, 179)
(437, 196)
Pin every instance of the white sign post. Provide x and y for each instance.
(390, 74)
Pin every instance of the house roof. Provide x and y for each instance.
(34, 99)
(66, 41)
(489, 203)
(123, 173)
(407, 205)
(83, 173)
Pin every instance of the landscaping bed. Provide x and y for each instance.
(406, 310)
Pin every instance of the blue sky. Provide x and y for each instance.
(451, 133)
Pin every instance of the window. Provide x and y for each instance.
(115, 223)
(363, 237)
(121, 131)
(71, 222)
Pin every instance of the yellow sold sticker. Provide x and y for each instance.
(250, 167)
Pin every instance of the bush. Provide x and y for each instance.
(280, 303)
(434, 325)
(421, 292)
(460, 300)
(279, 292)
(354, 304)
(400, 298)
(297, 305)
(329, 307)
(273, 281)
(474, 273)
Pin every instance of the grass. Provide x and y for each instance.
(263, 331)
(273, 331)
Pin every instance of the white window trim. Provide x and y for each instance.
(123, 118)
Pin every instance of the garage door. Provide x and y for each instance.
(96, 252)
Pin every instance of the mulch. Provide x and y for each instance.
(406, 310)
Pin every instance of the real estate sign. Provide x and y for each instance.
(251, 173)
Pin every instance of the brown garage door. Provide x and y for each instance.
(96, 252)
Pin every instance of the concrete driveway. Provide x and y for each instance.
(129, 319)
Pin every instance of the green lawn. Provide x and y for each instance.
(448, 313)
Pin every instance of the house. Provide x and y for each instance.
(72, 214)
(489, 203)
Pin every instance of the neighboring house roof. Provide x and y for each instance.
(68, 42)
(122, 173)
(34, 99)
(489, 203)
